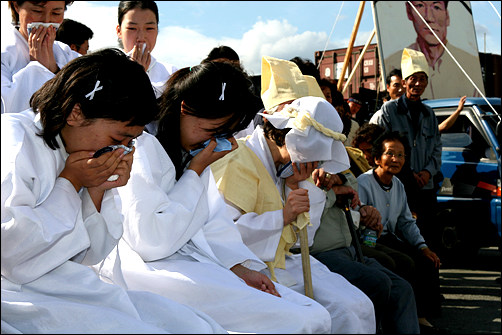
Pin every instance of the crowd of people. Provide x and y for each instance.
(188, 220)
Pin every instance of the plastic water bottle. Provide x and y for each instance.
(370, 237)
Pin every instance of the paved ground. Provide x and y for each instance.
(472, 292)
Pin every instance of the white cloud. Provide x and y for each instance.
(182, 47)
(185, 47)
(277, 39)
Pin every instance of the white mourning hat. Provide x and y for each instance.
(315, 135)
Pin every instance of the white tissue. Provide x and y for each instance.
(32, 25)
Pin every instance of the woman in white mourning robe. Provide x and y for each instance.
(61, 211)
(137, 32)
(269, 197)
(31, 56)
(263, 226)
(178, 240)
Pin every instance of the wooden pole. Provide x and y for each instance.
(351, 44)
(307, 275)
(358, 61)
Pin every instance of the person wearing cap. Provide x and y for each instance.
(419, 125)
(355, 105)
(300, 126)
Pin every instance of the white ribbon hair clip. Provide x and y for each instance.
(90, 95)
(222, 96)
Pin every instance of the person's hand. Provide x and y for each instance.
(255, 279)
(432, 256)
(207, 156)
(141, 56)
(371, 218)
(325, 180)
(296, 203)
(123, 169)
(422, 178)
(82, 170)
(303, 173)
(40, 44)
(344, 191)
(461, 103)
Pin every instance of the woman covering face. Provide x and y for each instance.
(210, 101)
(179, 241)
(31, 42)
(138, 29)
(61, 213)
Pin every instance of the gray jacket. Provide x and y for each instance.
(424, 141)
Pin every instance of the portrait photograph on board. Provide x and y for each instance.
(444, 32)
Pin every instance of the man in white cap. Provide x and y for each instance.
(418, 123)
(301, 127)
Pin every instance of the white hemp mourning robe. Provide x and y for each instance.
(158, 73)
(22, 77)
(179, 242)
(51, 235)
(351, 310)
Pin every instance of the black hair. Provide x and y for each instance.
(394, 72)
(125, 6)
(274, 134)
(106, 84)
(73, 32)
(368, 132)
(210, 90)
(378, 146)
(337, 97)
(15, 15)
(222, 51)
(328, 83)
(307, 67)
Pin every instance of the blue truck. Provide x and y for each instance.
(469, 215)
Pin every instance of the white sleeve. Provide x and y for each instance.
(19, 85)
(221, 233)
(38, 238)
(261, 233)
(17, 88)
(104, 228)
(160, 214)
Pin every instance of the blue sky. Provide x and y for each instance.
(188, 30)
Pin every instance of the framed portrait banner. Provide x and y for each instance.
(399, 25)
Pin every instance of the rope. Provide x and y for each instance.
(303, 119)
(329, 37)
(451, 55)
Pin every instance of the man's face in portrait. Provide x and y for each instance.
(435, 14)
